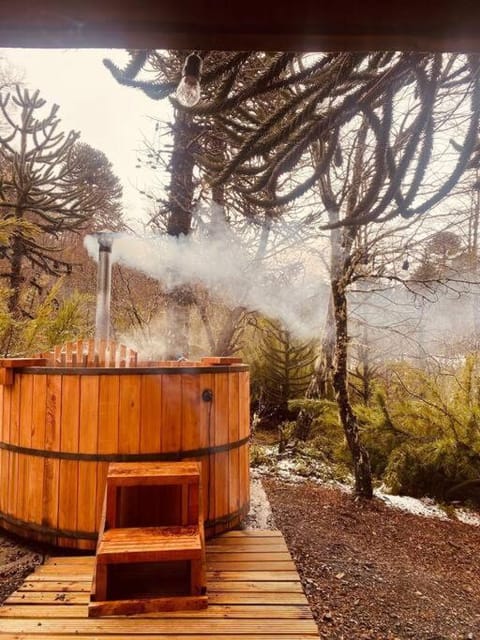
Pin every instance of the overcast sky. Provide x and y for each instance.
(110, 117)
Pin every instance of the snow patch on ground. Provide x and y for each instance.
(287, 470)
(297, 468)
(260, 515)
(468, 517)
(428, 508)
(424, 507)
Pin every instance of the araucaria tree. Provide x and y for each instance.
(50, 184)
(200, 143)
(356, 133)
(375, 123)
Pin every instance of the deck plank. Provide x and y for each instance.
(253, 588)
(78, 597)
(83, 572)
(213, 586)
(213, 576)
(233, 556)
(253, 611)
(295, 636)
(127, 625)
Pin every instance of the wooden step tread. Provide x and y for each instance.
(127, 473)
(146, 605)
(149, 544)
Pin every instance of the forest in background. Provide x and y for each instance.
(344, 185)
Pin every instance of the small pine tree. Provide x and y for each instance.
(282, 370)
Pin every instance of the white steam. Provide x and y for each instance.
(230, 270)
(287, 283)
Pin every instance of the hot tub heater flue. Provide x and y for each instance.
(104, 282)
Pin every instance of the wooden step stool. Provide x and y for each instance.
(151, 547)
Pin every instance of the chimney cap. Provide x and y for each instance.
(105, 238)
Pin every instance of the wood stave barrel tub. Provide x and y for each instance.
(61, 426)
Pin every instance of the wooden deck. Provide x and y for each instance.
(254, 593)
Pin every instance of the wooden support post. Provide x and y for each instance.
(101, 582)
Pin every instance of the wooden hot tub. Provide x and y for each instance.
(61, 426)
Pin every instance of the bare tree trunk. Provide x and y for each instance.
(473, 228)
(179, 305)
(321, 384)
(15, 277)
(178, 330)
(361, 461)
(179, 223)
(181, 182)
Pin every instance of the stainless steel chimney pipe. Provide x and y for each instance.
(104, 284)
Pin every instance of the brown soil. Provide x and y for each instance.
(373, 572)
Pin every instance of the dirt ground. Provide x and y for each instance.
(373, 572)
(370, 572)
(17, 560)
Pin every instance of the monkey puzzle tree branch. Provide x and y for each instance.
(51, 183)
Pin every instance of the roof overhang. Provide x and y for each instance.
(303, 25)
